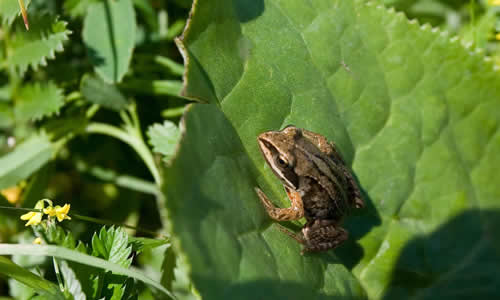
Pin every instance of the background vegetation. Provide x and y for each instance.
(90, 106)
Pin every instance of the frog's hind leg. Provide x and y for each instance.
(323, 238)
(295, 212)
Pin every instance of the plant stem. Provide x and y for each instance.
(105, 222)
(133, 141)
(58, 274)
(174, 67)
(173, 112)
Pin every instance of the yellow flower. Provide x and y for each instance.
(34, 217)
(62, 212)
(497, 36)
(37, 241)
(494, 2)
(50, 210)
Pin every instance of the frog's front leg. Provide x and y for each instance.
(294, 212)
(323, 235)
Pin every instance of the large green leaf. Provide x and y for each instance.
(412, 111)
(109, 34)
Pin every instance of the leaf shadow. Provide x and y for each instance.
(247, 10)
(266, 289)
(459, 260)
(358, 225)
(94, 56)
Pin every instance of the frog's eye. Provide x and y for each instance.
(282, 162)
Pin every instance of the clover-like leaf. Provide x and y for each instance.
(38, 100)
(41, 42)
(414, 112)
(164, 138)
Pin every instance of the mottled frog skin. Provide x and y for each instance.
(319, 185)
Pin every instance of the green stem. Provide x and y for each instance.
(124, 181)
(105, 222)
(173, 112)
(90, 219)
(153, 87)
(133, 141)
(58, 274)
(176, 29)
(174, 67)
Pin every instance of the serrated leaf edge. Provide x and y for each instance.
(468, 46)
(59, 47)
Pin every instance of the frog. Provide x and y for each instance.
(320, 186)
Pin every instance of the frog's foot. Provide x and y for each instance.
(323, 238)
(299, 237)
(295, 212)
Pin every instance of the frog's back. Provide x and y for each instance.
(329, 149)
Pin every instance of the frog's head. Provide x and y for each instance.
(278, 147)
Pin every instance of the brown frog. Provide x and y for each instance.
(319, 185)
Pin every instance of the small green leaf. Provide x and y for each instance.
(112, 245)
(26, 158)
(38, 100)
(109, 34)
(140, 244)
(164, 138)
(34, 47)
(42, 286)
(97, 91)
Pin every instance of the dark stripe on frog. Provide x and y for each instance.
(336, 174)
(336, 177)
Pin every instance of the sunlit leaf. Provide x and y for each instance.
(412, 111)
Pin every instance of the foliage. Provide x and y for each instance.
(90, 101)
(59, 94)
